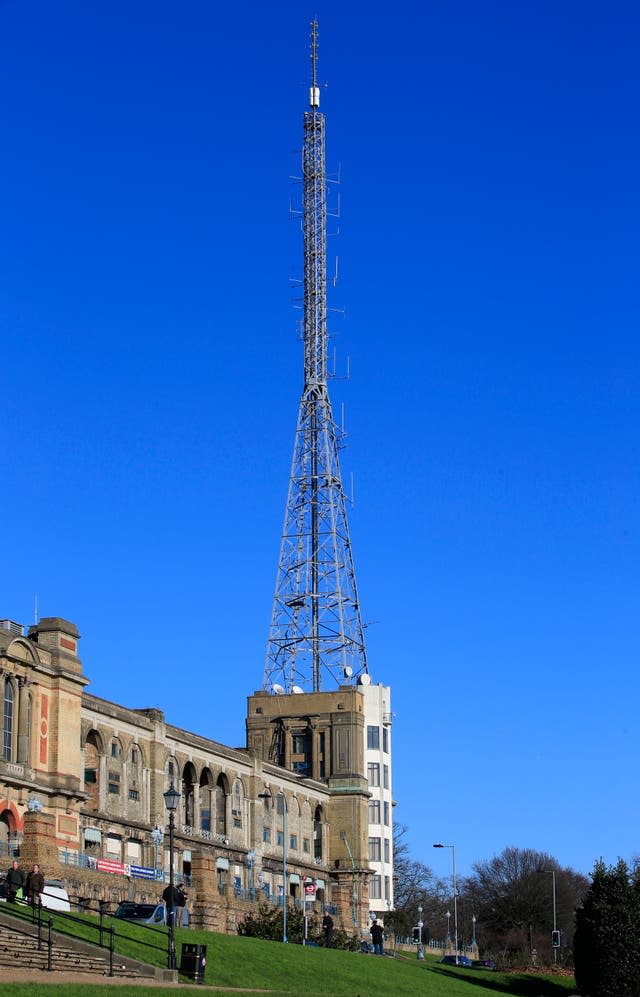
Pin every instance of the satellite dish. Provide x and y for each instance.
(278, 690)
(348, 671)
(297, 690)
(365, 679)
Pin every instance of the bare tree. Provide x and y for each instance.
(511, 896)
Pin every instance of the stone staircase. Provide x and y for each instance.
(19, 949)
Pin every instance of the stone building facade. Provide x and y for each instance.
(82, 782)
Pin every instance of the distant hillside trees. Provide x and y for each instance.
(607, 939)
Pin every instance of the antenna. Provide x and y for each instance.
(314, 89)
(316, 628)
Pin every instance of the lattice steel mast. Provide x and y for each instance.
(316, 629)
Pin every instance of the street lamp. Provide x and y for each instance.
(171, 798)
(455, 893)
(420, 952)
(473, 922)
(268, 796)
(156, 837)
(448, 927)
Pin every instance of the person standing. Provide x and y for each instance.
(377, 937)
(181, 904)
(35, 886)
(172, 900)
(327, 927)
(14, 881)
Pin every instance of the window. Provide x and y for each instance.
(373, 737)
(293, 842)
(115, 749)
(375, 889)
(387, 850)
(134, 756)
(386, 776)
(386, 813)
(374, 849)
(8, 720)
(134, 795)
(373, 773)
(114, 783)
(385, 739)
(236, 811)
(113, 845)
(205, 819)
(374, 811)
(171, 771)
(306, 845)
(90, 776)
(266, 835)
(301, 744)
(279, 838)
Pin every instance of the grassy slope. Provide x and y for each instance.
(314, 972)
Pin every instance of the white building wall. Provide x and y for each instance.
(378, 754)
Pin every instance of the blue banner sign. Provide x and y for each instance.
(141, 872)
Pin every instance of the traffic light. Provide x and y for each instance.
(555, 939)
(416, 935)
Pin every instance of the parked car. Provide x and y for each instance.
(461, 960)
(483, 964)
(55, 896)
(142, 913)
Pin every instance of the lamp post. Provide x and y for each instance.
(420, 952)
(171, 798)
(455, 893)
(280, 795)
(448, 927)
(473, 923)
(156, 837)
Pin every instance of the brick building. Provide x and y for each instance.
(94, 773)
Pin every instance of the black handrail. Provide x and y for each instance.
(101, 928)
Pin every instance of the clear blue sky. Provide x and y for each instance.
(489, 262)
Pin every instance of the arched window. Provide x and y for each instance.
(222, 791)
(188, 781)
(7, 747)
(206, 786)
(92, 751)
(237, 804)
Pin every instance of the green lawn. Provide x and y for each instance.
(292, 970)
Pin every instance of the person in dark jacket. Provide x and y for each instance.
(327, 927)
(181, 904)
(377, 937)
(14, 881)
(172, 900)
(35, 886)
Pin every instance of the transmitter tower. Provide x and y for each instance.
(316, 637)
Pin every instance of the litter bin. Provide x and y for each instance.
(193, 959)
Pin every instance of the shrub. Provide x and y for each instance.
(267, 923)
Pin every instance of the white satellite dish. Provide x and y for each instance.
(297, 690)
(278, 690)
(365, 679)
(348, 671)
